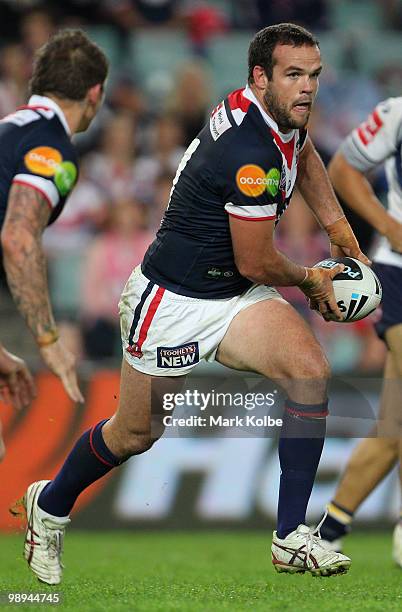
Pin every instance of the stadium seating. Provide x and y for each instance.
(228, 60)
(156, 56)
(355, 15)
(107, 39)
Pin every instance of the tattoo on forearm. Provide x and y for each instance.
(25, 264)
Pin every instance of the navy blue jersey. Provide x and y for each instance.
(240, 164)
(35, 150)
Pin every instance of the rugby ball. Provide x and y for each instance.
(358, 291)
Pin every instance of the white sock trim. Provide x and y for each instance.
(43, 515)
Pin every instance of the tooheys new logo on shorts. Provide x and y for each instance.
(253, 181)
(177, 356)
(48, 162)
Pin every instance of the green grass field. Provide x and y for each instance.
(202, 572)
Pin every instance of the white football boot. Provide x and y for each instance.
(302, 551)
(335, 545)
(397, 544)
(43, 545)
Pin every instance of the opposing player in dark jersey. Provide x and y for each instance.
(38, 170)
(205, 291)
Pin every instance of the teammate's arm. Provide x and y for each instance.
(315, 187)
(17, 387)
(258, 259)
(27, 216)
(24, 262)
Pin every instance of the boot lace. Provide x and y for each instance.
(54, 544)
(313, 537)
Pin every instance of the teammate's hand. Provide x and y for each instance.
(62, 363)
(344, 242)
(17, 386)
(318, 288)
(393, 234)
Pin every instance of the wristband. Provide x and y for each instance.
(329, 225)
(48, 338)
(338, 227)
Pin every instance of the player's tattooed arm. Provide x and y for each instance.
(24, 261)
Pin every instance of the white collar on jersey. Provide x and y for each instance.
(36, 100)
(247, 93)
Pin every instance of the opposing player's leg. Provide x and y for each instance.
(131, 431)
(373, 458)
(277, 343)
(370, 462)
(393, 338)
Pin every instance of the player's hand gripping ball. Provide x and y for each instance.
(358, 291)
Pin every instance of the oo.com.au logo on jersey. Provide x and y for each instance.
(43, 160)
(48, 162)
(253, 181)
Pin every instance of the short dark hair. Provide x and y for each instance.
(261, 49)
(68, 65)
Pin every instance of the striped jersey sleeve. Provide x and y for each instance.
(250, 184)
(46, 163)
(377, 138)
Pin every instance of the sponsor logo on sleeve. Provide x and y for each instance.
(219, 121)
(252, 180)
(43, 160)
(177, 356)
(48, 162)
(65, 177)
(273, 179)
(368, 130)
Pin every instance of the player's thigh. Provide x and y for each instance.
(272, 339)
(140, 409)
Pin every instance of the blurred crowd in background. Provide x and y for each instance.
(172, 62)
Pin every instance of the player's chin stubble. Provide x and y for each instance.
(281, 114)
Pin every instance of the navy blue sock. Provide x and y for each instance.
(89, 460)
(300, 448)
(337, 522)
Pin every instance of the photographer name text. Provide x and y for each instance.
(248, 420)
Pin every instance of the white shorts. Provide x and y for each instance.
(167, 334)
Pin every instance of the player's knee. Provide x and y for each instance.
(312, 364)
(319, 366)
(136, 443)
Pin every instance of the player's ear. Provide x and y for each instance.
(95, 94)
(260, 78)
